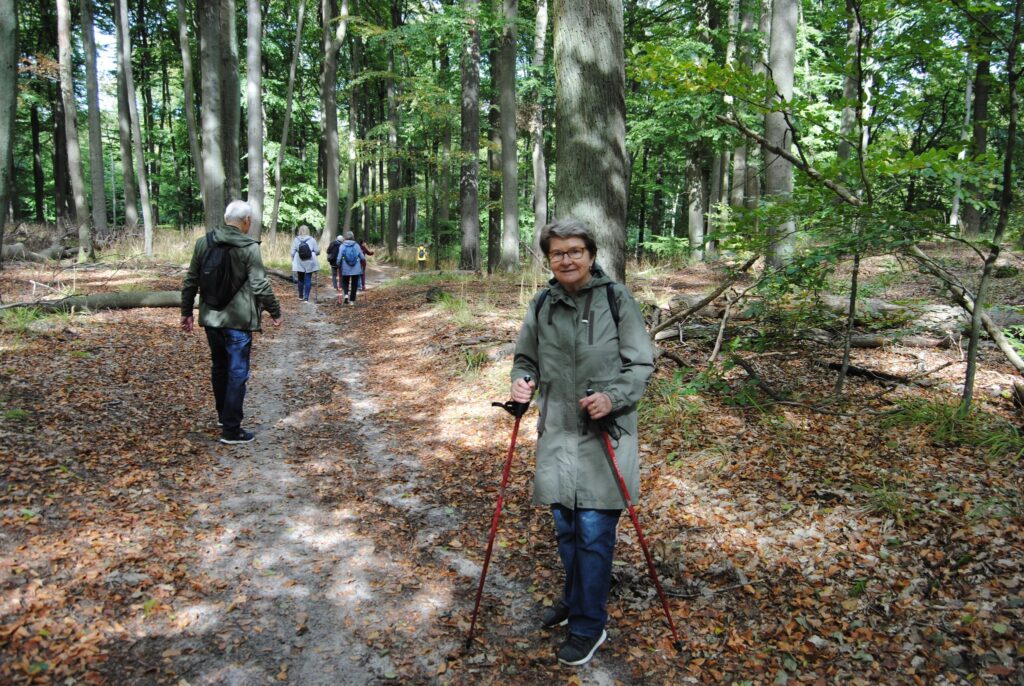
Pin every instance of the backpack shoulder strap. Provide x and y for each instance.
(613, 303)
(540, 303)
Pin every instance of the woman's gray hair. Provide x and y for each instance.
(349, 236)
(567, 227)
(303, 230)
(236, 211)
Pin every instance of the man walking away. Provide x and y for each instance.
(227, 272)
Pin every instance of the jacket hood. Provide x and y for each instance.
(232, 236)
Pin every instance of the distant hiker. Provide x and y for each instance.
(421, 256)
(362, 277)
(351, 260)
(582, 332)
(332, 259)
(235, 310)
(304, 262)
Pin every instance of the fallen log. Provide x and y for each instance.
(18, 252)
(105, 301)
(853, 370)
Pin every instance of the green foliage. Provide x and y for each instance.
(475, 360)
(16, 415)
(887, 500)
(21, 319)
(944, 424)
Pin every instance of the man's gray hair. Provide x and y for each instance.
(349, 236)
(237, 211)
(567, 227)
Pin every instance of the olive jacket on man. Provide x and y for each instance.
(573, 344)
(255, 295)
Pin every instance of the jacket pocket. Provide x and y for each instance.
(542, 420)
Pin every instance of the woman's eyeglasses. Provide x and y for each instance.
(572, 254)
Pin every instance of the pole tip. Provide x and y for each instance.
(678, 645)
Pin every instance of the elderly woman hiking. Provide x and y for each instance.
(304, 262)
(584, 345)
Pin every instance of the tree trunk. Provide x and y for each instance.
(540, 171)
(972, 216)
(695, 204)
(37, 164)
(351, 160)
(99, 193)
(133, 113)
(954, 211)
(469, 178)
(591, 158)
(124, 122)
(8, 84)
(231, 102)
(333, 37)
(105, 301)
(494, 173)
(211, 111)
(509, 157)
(189, 94)
(443, 184)
(254, 113)
(394, 171)
(778, 170)
(296, 50)
(85, 251)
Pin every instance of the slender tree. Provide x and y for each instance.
(124, 43)
(99, 193)
(8, 84)
(333, 38)
(211, 111)
(38, 181)
(540, 171)
(778, 170)
(469, 178)
(124, 126)
(509, 150)
(394, 171)
(231, 101)
(189, 93)
(254, 114)
(590, 123)
(85, 251)
(296, 50)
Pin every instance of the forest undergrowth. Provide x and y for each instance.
(873, 540)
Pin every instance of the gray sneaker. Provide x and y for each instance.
(578, 650)
(240, 436)
(556, 615)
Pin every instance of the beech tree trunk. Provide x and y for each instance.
(39, 184)
(394, 172)
(67, 87)
(211, 111)
(254, 113)
(124, 123)
(778, 170)
(8, 84)
(133, 113)
(469, 177)
(329, 116)
(972, 216)
(540, 171)
(509, 158)
(99, 193)
(591, 158)
(287, 120)
(189, 95)
(231, 102)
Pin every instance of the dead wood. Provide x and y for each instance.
(872, 374)
(105, 301)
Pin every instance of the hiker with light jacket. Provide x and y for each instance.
(229, 329)
(351, 260)
(304, 262)
(583, 333)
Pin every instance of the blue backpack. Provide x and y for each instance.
(350, 253)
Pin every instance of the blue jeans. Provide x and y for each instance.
(229, 350)
(586, 543)
(305, 282)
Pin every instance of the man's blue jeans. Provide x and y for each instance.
(229, 350)
(305, 282)
(586, 543)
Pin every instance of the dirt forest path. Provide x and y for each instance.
(330, 548)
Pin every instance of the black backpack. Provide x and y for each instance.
(304, 252)
(332, 252)
(217, 282)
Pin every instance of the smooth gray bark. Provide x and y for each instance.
(540, 171)
(231, 102)
(124, 125)
(591, 158)
(509, 150)
(8, 84)
(469, 177)
(296, 50)
(333, 37)
(254, 113)
(778, 170)
(133, 112)
(67, 87)
(211, 111)
(190, 96)
(99, 193)
(394, 172)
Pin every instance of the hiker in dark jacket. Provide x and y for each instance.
(584, 332)
(366, 253)
(229, 330)
(305, 268)
(332, 259)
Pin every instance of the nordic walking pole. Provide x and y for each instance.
(517, 410)
(677, 644)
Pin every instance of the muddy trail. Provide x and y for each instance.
(334, 558)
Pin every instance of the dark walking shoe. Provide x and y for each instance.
(556, 615)
(239, 436)
(578, 650)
